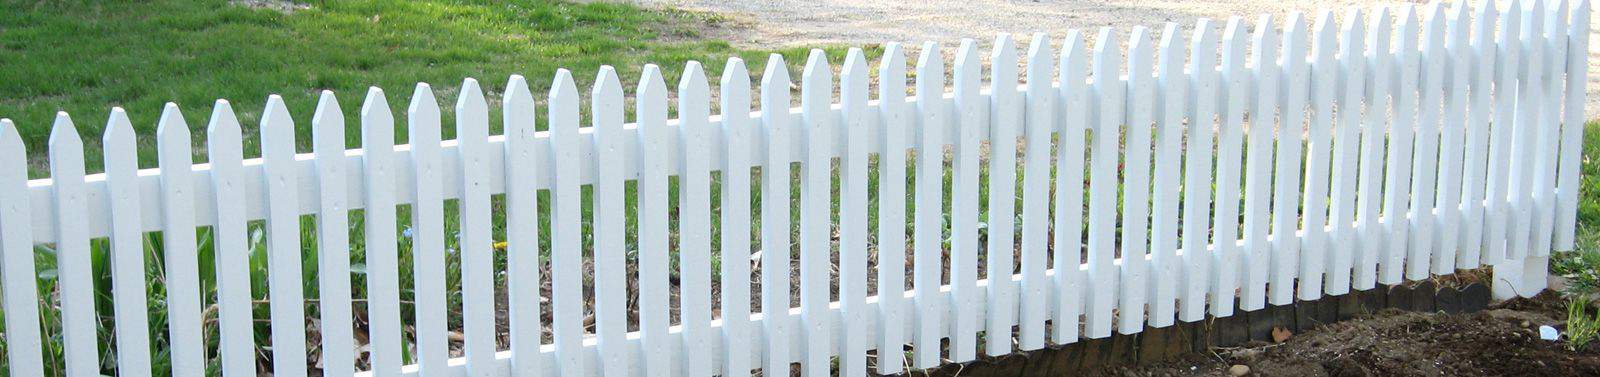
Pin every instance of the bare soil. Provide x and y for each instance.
(1502, 341)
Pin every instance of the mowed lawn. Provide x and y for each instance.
(85, 57)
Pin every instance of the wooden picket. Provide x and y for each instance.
(1136, 184)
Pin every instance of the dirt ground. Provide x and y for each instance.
(1502, 341)
(766, 23)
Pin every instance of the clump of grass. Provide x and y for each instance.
(1582, 328)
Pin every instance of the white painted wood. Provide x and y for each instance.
(610, 261)
(1379, 79)
(1398, 171)
(1568, 182)
(178, 241)
(427, 231)
(127, 247)
(775, 228)
(524, 168)
(1342, 239)
(1544, 195)
(816, 198)
(1202, 93)
(1133, 287)
(231, 245)
(1172, 102)
(694, 221)
(25, 347)
(1107, 104)
(929, 260)
(1425, 166)
(284, 277)
(894, 116)
(476, 241)
(1324, 73)
(1285, 247)
(1479, 63)
(1501, 143)
(333, 238)
(1004, 116)
(79, 324)
(566, 240)
(1230, 139)
(1073, 125)
(971, 117)
(379, 169)
(1265, 75)
(1448, 220)
(1529, 92)
(736, 135)
(853, 186)
(1039, 102)
(653, 260)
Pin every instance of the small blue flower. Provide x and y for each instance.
(406, 233)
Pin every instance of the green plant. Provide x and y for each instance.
(1582, 328)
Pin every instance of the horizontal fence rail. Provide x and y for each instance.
(1129, 183)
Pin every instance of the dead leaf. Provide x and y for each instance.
(1280, 335)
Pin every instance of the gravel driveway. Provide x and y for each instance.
(809, 22)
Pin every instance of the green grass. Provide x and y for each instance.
(84, 57)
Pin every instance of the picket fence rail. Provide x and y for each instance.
(1466, 156)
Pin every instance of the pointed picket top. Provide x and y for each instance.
(277, 130)
(1462, 11)
(327, 126)
(64, 139)
(377, 123)
(1265, 39)
(1295, 30)
(472, 111)
(892, 72)
(1353, 29)
(1139, 53)
(518, 115)
(652, 92)
(1003, 62)
(607, 85)
(816, 82)
(563, 106)
(423, 111)
(11, 141)
(119, 138)
(694, 92)
(1074, 56)
(855, 65)
(1434, 25)
(1382, 23)
(1204, 39)
(222, 133)
(1171, 45)
(968, 70)
(1513, 25)
(930, 71)
(1408, 26)
(1580, 10)
(1039, 55)
(1325, 37)
(1107, 57)
(172, 134)
(735, 86)
(775, 84)
(1558, 25)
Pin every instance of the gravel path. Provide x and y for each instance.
(809, 22)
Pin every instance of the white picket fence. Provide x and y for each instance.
(1481, 112)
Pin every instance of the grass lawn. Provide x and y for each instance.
(83, 57)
